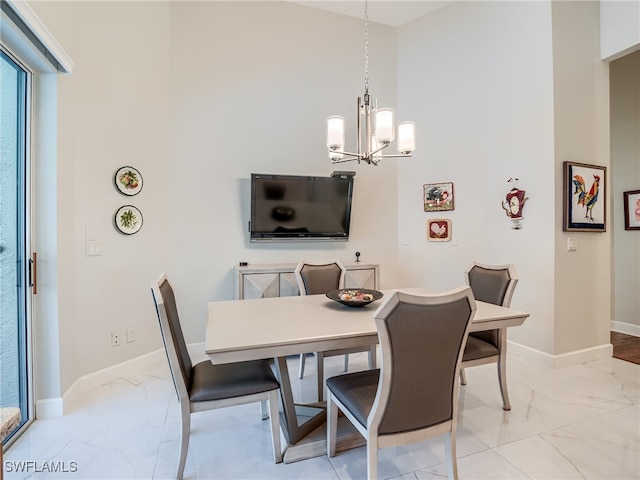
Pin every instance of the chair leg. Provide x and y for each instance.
(502, 379)
(502, 368)
(184, 437)
(373, 363)
(320, 374)
(346, 362)
(372, 459)
(302, 361)
(463, 377)
(264, 411)
(450, 454)
(274, 417)
(332, 425)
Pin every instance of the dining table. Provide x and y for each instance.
(278, 327)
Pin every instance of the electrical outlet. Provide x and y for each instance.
(131, 335)
(115, 339)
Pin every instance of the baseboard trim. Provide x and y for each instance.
(564, 360)
(626, 328)
(49, 408)
(58, 406)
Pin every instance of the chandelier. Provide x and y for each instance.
(375, 125)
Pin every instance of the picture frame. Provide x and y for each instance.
(632, 210)
(438, 197)
(128, 220)
(584, 190)
(128, 180)
(439, 230)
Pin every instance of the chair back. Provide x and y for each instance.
(422, 338)
(315, 277)
(492, 283)
(176, 348)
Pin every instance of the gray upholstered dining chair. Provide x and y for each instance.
(414, 394)
(320, 277)
(491, 284)
(206, 386)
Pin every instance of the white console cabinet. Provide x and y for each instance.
(278, 279)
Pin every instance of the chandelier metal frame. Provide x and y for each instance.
(368, 146)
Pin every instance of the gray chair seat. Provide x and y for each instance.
(356, 391)
(216, 382)
(477, 348)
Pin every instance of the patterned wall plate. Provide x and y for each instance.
(128, 220)
(128, 181)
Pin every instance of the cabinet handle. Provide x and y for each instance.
(33, 273)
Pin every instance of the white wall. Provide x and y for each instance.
(620, 28)
(197, 96)
(625, 160)
(112, 111)
(249, 95)
(477, 78)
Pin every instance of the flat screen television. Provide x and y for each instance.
(290, 207)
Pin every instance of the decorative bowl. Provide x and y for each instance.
(353, 297)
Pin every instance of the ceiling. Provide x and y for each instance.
(389, 12)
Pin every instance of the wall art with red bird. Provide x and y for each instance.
(584, 197)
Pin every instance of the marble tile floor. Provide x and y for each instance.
(580, 422)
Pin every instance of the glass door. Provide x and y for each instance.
(14, 260)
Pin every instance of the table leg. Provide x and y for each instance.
(298, 420)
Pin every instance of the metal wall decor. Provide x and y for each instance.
(514, 203)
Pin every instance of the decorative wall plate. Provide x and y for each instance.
(128, 180)
(128, 220)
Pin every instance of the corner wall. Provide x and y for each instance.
(625, 162)
(581, 130)
(477, 78)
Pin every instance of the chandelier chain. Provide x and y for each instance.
(366, 47)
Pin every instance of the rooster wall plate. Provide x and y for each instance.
(439, 230)
(585, 197)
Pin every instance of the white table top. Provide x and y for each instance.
(239, 330)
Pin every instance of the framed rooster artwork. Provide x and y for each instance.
(585, 197)
(439, 230)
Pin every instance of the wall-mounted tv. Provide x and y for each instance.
(290, 207)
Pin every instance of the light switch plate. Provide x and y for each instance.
(93, 248)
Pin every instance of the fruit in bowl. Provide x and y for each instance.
(355, 296)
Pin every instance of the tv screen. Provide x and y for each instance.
(289, 207)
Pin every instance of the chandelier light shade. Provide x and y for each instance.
(384, 125)
(406, 137)
(375, 127)
(335, 132)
